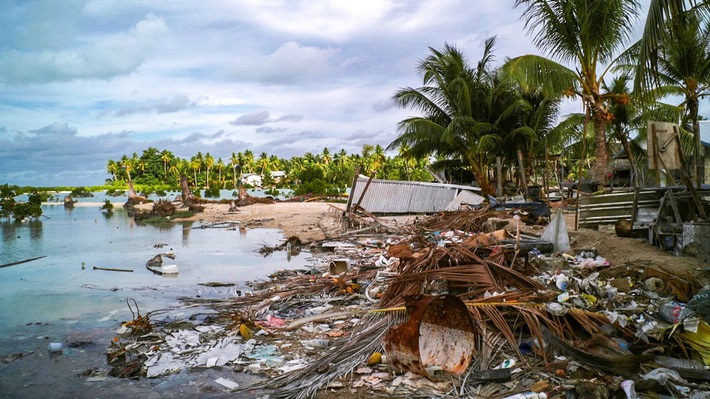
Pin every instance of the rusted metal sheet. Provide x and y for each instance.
(437, 339)
(393, 196)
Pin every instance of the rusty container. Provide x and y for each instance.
(437, 339)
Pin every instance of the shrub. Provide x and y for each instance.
(112, 192)
(81, 192)
(163, 208)
(212, 192)
(107, 206)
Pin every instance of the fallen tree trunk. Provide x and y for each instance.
(21, 261)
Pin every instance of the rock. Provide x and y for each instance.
(69, 201)
(157, 260)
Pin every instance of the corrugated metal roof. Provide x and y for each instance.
(465, 197)
(394, 196)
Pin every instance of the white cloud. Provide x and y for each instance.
(290, 64)
(163, 105)
(87, 58)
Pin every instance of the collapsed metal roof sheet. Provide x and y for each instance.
(394, 196)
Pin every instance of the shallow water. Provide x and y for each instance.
(61, 298)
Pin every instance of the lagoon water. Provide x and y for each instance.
(61, 295)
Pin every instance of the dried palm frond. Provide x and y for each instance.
(465, 220)
(342, 359)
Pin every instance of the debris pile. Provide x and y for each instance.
(460, 304)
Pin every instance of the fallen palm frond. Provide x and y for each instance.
(464, 220)
(344, 356)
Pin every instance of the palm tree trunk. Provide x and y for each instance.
(627, 148)
(699, 156)
(602, 157)
(482, 179)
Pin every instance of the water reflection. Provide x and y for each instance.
(35, 230)
(9, 231)
(186, 227)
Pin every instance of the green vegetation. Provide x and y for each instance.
(472, 115)
(157, 171)
(182, 214)
(468, 116)
(158, 221)
(107, 206)
(81, 192)
(212, 192)
(19, 211)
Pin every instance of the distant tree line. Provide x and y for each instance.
(320, 173)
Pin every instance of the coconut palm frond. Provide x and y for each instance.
(533, 71)
(345, 355)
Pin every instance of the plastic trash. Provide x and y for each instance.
(316, 343)
(556, 309)
(562, 282)
(673, 312)
(55, 347)
(556, 233)
(700, 303)
(528, 395)
(629, 389)
(227, 383)
(662, 375)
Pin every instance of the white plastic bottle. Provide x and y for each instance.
(528, 395)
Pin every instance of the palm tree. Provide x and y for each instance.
(263, 162)
(586, 33)
(234, 163)
(464, 111)
(325, 156)
(623, 111)
(379, 160)
(196, 166)
(112, 167)
(127, 164)
(248, 160)
(663, 14)
(209, 163)
(165, 156)
(220, 166)
(683, 61)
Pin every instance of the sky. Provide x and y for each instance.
(85, 81)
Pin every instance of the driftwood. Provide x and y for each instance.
(21, 261)
(110, 269)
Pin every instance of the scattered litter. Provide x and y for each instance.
(404, 311)
(229, 384)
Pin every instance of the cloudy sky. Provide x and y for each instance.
(84, 81)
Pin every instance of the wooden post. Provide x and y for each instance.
(654, 154)
(499, 177)
(635, 207)
(346, 214)
(352, 190)
(364, 190)
(521, 165)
